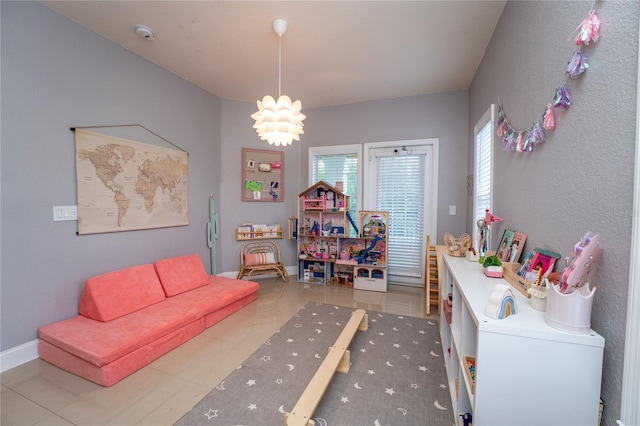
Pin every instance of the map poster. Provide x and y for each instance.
(125, 185)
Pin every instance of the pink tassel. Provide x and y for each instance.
(588, 30)
(502, 128)
(549, 121)
(519, 142)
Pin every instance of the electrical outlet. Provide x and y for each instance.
(452, 210)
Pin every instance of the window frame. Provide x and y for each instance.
(488, 118)
(337, 150)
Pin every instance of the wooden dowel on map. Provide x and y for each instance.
(338, 359)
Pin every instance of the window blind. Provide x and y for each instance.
(483, 167)
(399, 184)
(333, 168)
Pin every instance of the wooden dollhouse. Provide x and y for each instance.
(327, 254)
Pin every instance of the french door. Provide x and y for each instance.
(401, 178)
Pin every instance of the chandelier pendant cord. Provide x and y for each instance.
(279, 65)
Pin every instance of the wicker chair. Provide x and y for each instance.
(259, 258)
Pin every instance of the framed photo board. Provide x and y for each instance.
(511, 245)
(262, 175)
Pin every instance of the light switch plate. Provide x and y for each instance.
(452, 210)
(61, 213)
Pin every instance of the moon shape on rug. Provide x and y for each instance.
(434, 354)
(318, 331)
(377, 423)
(317, 356)
(438, 406)
(357, 386)
(403, 411)
(395, 329)
(371, 342)
(221, 386)
(431, 323)
(320, 421)
(389, 364)
(291, 367)
(281, 409)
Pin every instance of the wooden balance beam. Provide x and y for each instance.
(338, 359)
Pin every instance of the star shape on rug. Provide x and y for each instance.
(381, 334)
(266, 358)
(294, 354)
(311, 339)
(279, 381)
(298, 326)
(422, 332)
(289, 340)
(415, 342)
(344, 399)
(211, 413)
(251, 382)
(423, 368)
(396, 345)
(400, 317)
(414, 386)
(252, 407)
(390, 391)
(320, 322)
(443, 386)
(315, 314)
(371, 372)
(363, 350)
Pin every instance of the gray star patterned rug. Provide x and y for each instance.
(397, 376)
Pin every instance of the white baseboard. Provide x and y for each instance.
(19, 355)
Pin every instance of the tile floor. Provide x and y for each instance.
(37, 393)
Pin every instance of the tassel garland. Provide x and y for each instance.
(525, 140)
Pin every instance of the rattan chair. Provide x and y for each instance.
(260, 258)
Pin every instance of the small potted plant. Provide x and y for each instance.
(492, 266)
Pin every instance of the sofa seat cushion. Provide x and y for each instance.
(220, 292)
(114, 294)
(101, 343)
(180, 274)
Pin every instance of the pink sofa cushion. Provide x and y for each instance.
(180, 274)
(101, 343)
(114, 294)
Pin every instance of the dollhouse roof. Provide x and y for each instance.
(323, 185)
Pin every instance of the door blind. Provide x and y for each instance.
(400, 191)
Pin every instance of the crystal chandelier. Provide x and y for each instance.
(279, 122)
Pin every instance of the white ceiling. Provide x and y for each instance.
(334, 52)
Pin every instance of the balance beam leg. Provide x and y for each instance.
(334, 361)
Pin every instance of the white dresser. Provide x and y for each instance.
(527, 373)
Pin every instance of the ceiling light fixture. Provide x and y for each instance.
(279, 123)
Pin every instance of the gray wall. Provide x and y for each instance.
(56, 75)
(237, 133)
(441, 115)
(582, 178)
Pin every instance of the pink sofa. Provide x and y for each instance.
(131, 317)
